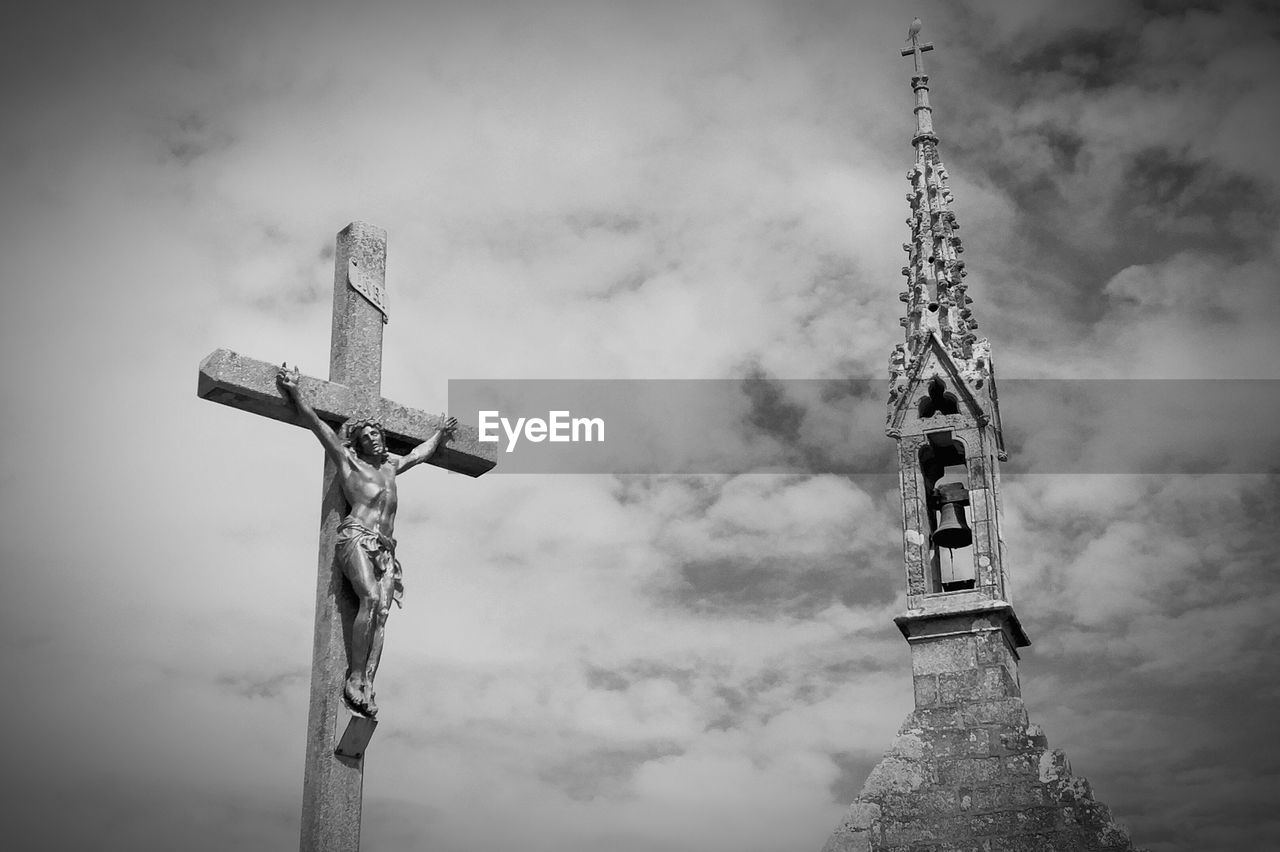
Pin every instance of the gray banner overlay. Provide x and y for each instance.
(763, 425)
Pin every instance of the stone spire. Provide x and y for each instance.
(937, 303)
(968, 770)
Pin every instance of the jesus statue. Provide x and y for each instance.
(366, 550)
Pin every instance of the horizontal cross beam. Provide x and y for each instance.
(250, 385)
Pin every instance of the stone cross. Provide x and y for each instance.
(916, 47)
(920, 84)
(336, 738)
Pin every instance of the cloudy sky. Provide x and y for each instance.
(617, 190)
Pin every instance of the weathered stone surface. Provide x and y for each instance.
(895, 775)
(982, 780)
(250, 385)
(968, 770)
(943, 656)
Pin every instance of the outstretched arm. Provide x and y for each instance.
(287, 380)
(423, 451)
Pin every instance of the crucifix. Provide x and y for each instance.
(341, 717)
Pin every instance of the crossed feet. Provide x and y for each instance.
(358, 694)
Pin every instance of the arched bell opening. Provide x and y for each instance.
(950, 541)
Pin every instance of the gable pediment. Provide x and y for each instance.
(936, 396)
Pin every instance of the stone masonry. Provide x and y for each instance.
(968, 771)
(976, 777)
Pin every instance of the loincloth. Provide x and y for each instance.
(381, 549)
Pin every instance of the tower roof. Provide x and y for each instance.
(937, 303)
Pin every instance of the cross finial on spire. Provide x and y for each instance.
(920, 83)
(916, 48)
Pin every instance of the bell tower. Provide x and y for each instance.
(968, 770)
(944, 413)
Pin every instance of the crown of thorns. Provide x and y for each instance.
(352, 428)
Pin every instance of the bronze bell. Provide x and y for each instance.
(952, 531)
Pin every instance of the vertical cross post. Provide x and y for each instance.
(332, 783)
(915, 50)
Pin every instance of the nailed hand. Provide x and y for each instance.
(287, 379)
